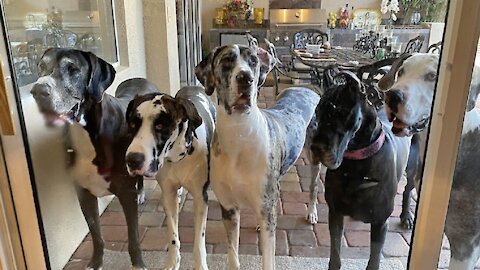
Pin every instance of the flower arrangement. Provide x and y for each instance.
(238, 10)
(390, 6)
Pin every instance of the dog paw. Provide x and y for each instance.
(138, 268)
(312, 215)
(312, 218)
(141, 198)
(173, 260)
(171, 266)
(94, 265)
(201, 267)
(407, 220)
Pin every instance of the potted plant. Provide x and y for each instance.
(427, 10)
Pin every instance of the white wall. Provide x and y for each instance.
(162, 61)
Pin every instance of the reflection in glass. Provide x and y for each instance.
(34, 26)
(462, 226)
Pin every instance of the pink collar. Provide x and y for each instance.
(368, 151)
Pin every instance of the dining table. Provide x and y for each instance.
(343, 58)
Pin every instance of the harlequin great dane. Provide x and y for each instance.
(71, 88)
(252, 148)
(365, 162)
(411, 86)
(172, 137)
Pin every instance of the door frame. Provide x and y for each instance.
(456, 65)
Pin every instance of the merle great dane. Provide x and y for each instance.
(172, 138)
(410, 88)
(252, 148)
(71, 89)
(365, 161)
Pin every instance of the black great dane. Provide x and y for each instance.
(365, 161)
(71, 89)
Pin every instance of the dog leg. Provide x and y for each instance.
(335, 226)
(128, 200)
(89, 206)
(268, 224)
(200, 253)
(231, 220)
(464, 260)
(378, 232)
(406, 217)
(312, 215)
(413, 168)
(170, 204)
(140, 191)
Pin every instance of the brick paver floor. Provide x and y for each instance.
(295, 237)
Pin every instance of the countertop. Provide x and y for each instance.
(247, 25)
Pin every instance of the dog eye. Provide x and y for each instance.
(431, 76)
(72, 69)
(158, 127)
(253, 60)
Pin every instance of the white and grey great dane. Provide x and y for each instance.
(172, 138)
(252, 148)
(411, 86)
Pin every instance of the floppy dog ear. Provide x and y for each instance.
(387, 81)
(102, 75)
(190, 113)
(267, 62)
(128, 113)
(204, 73)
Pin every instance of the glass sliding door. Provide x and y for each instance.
(30, 28)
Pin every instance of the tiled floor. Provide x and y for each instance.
(295, 237)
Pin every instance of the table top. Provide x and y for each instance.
(344, 58)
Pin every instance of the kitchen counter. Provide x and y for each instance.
(242, 26)
(223, 34)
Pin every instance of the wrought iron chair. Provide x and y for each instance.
(435, 48)
(414, 45)
(300, 40)
(371, 75)
(309, 36)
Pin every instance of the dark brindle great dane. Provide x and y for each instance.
(71, 88)
(365, 161)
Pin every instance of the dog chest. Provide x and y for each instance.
(84, 172)
(239, 180)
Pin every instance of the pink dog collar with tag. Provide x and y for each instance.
(366, 152)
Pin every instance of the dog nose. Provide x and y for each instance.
(135, 160)
(393, 98)
(244, 77)
(40, 91)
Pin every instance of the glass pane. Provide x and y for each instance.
(33, 26)
(461, 245)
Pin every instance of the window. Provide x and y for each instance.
(36, 25)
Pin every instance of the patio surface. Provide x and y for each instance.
(295, 237)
